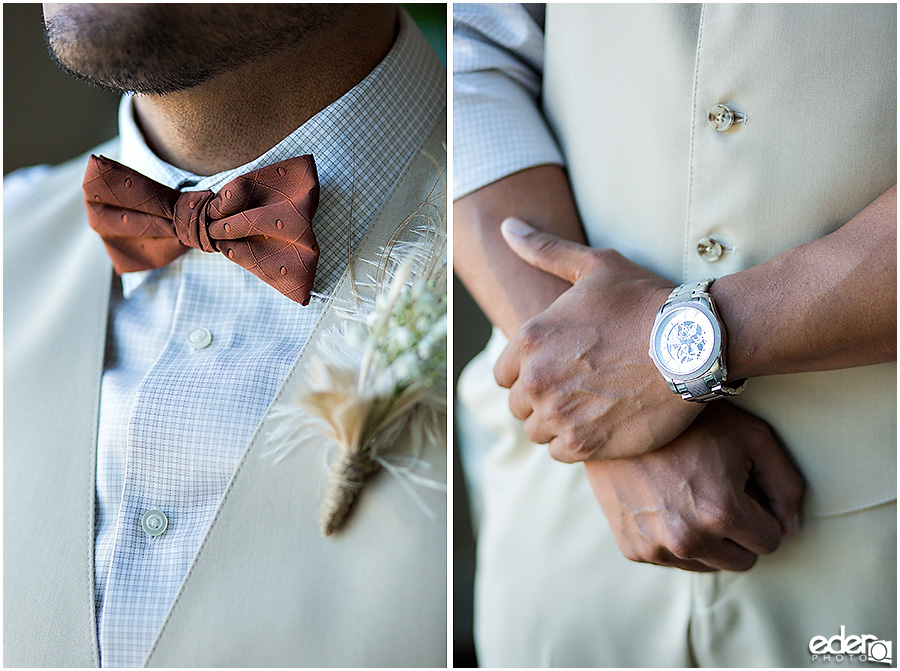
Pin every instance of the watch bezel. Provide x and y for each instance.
(716, 351)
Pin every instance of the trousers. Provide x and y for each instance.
(553, 589)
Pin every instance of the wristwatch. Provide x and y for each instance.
(687, 344)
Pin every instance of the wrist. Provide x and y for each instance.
(726, 293)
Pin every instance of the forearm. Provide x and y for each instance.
(828, 304)
(507, 289)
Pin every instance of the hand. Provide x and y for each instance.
(716, 497)
(579, 373)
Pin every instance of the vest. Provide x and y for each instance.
(652, 178)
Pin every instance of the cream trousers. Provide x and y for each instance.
(552, 588)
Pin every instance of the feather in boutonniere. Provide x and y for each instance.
(380, 372)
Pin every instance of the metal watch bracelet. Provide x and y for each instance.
(712, 385)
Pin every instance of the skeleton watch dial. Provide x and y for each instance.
(685, 340)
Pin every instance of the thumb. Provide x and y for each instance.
(551, 253)
(781, 484)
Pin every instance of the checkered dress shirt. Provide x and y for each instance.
(175, 420)
(498, 127)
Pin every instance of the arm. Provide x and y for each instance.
(506, 162)
(509, 290)
(827, 304)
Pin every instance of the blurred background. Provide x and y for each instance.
(470, 334)
(49, 117)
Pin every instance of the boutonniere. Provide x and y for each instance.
(378, 376)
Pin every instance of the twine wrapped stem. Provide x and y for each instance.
(348, 476)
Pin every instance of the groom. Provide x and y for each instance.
(145, 521)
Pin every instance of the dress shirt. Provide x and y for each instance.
(498, 127)
(175, 418)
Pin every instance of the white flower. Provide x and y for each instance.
(402, 338)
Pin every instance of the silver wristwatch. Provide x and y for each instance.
(687, 344)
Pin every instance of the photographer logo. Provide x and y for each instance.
(863, 648)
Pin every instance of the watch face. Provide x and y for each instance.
(685, 341)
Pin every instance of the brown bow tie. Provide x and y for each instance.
(262, 220)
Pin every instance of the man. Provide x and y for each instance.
(147, 523)
(684, 165)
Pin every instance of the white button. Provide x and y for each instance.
(722, 117)
(709, 249)
(199, 338)
(154, 522)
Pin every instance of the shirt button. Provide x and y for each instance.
(199, 338)
(721, 117)
(154, 522)
(709, 250)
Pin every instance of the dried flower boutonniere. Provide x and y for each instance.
(379, 373)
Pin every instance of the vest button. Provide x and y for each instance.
(154, 522)
(710, 250)
(721, 117)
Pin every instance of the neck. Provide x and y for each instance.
(238, 116)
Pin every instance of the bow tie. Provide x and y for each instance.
(260, 220)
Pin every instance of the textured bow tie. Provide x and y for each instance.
(261, 220)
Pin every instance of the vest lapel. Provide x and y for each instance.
(265, 587)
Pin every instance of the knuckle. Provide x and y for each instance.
(533, 434)
(532, 333)
(720, 516)
(518, 411)
(726, 521)
(605, 256)
(683, 542)
(578, 444)
(546, 245)
(684, 547)
(656, 555)
(533, 380)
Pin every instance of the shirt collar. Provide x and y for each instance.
(370, 131)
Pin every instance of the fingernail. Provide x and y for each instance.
(516, 227)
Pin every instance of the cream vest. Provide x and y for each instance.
(651, 177)
(265, 588)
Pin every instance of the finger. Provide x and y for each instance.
(659, 555)
(670, 560)
(557, 256)
(560, 451)
(538, 431)
(520, 401)
(776, 478)
(506, 370)
(726, 555)
(756, 529)
(638, 548)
